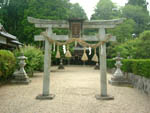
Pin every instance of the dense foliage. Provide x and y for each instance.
(141, 3)
(137, 66)
(14, 16)
(76, 11)
(143, 48)
(7, 64)
(105, 10)
(136, 48)
(129, 42)
(124, 31)
(139, 15)
(35, 58)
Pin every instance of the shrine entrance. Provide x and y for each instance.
(76, 27)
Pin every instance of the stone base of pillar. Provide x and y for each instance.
(61, 67)
(97, 66)
(45, 97)
(107, 97)
(20, 78)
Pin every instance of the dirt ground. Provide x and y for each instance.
(75, 89)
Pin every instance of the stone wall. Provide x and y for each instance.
(139, 82)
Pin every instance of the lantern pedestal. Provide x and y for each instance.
(118, 78)
(21, 78)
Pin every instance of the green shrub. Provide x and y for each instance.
(141, 67)
(137, 66)
(110, 63)
(35, 58)
(127, 65)
(7, 64)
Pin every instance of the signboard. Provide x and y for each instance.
(76, 29)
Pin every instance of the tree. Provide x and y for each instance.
(124, 31)
(143, 47)
(45, 9)
(49, 9)
(76, 11)
(105, 10)
(140, 16)
(137, 48)
(127, 49)
(12, 15)
(141, 3)
(4, 3)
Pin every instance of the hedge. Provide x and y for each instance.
(7, 64)
(137, 66)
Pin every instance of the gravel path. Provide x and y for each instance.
(75, 89)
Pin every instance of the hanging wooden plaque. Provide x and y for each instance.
(75, 27)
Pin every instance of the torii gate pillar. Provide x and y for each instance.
(103, 68)
(47, 63)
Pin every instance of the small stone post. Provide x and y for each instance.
(20, 76)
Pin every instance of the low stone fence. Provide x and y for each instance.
(137, 81)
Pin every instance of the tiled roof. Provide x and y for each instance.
(16, 42)
(12, 38)
(5, 34)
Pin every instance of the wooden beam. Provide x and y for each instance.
(104, 22)
(54, 37)
(65, 37)
(65, 26)
(96, 38)
(44, 23)
(97, 26)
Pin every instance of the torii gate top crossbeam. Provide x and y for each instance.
(43, 23)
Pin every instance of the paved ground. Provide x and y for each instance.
(75, 88)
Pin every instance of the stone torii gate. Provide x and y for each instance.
(101, 25)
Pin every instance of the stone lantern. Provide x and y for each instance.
(97, 66)
(118, 78)
(61, 64)
(21, 75)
